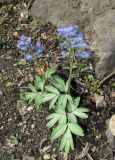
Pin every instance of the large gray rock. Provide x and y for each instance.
(105, 44)
(59, 12)
(85, 13)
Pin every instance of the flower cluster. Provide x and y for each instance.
(31, 51)
(73, 38)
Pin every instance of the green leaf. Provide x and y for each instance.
(29, 95)
(71, 107)
(67, 146)
(76, 129)
(32, 87)
(38, 97)
(54, 119)
(76, 101)
(71, 118)
(62, 102)
(52, 89)
(67, 85)
(58, 131)
(80, 112)
(39, 82)
(70, 99)
(63, 141)
(63, 118)
(47, 97)
(67, 142)
(49, 72)
(71, 141)
(59, 83)
(53, 101)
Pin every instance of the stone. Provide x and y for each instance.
(104, 41)
(60, 12)
(98, 14)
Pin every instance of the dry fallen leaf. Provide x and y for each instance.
(100, 101)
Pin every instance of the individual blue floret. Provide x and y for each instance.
(24, 43)
(80, 45)
(64, 53)
(38, 48)
(28, 56)
(77, 38)
(66, 31)
(84, 54)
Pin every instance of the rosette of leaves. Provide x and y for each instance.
(53, 89)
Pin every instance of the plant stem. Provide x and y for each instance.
(70, 73)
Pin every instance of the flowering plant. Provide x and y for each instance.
(51, 88)
(30, 50)
(73, 38)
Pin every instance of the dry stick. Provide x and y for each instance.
(106, 78)
(89, 157)
(84, 152)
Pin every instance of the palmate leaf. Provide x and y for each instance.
(62, 102)
(71, 107)
(32, 87)
(67, 85)
(53, 101)
(58, 82)
(77, 101)
(39, 82)
(58, 131)
(38, 98)
(63, 118)
(71, 118)
(67, 142)
(31, 96)
(80, 112)
(52, 89)
(47, 97)
(76, 129)
(49, 72)
(53, 118)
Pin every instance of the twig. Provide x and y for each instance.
(89, 157)
(84, 152)
(106, 78)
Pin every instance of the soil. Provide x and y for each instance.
(23, 132)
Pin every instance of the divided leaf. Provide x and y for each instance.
(80, 112)
(53, 101)
(67, 142)
(49, 72)
(54, 117)
(71, 118)
(32, 87)
(76, 101)
(52, 89)
(39, 82)
(47, 97)
(76, 129)
(59, 83)
(58, 131)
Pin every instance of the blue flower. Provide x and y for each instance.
(24, 43)
(78, 37)
(84, 54)
(64, 45)
(80, 45)
(38, 48)
(66, 31)
(28, 56)
(64, 53)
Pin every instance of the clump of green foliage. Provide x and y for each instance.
(53, 89)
